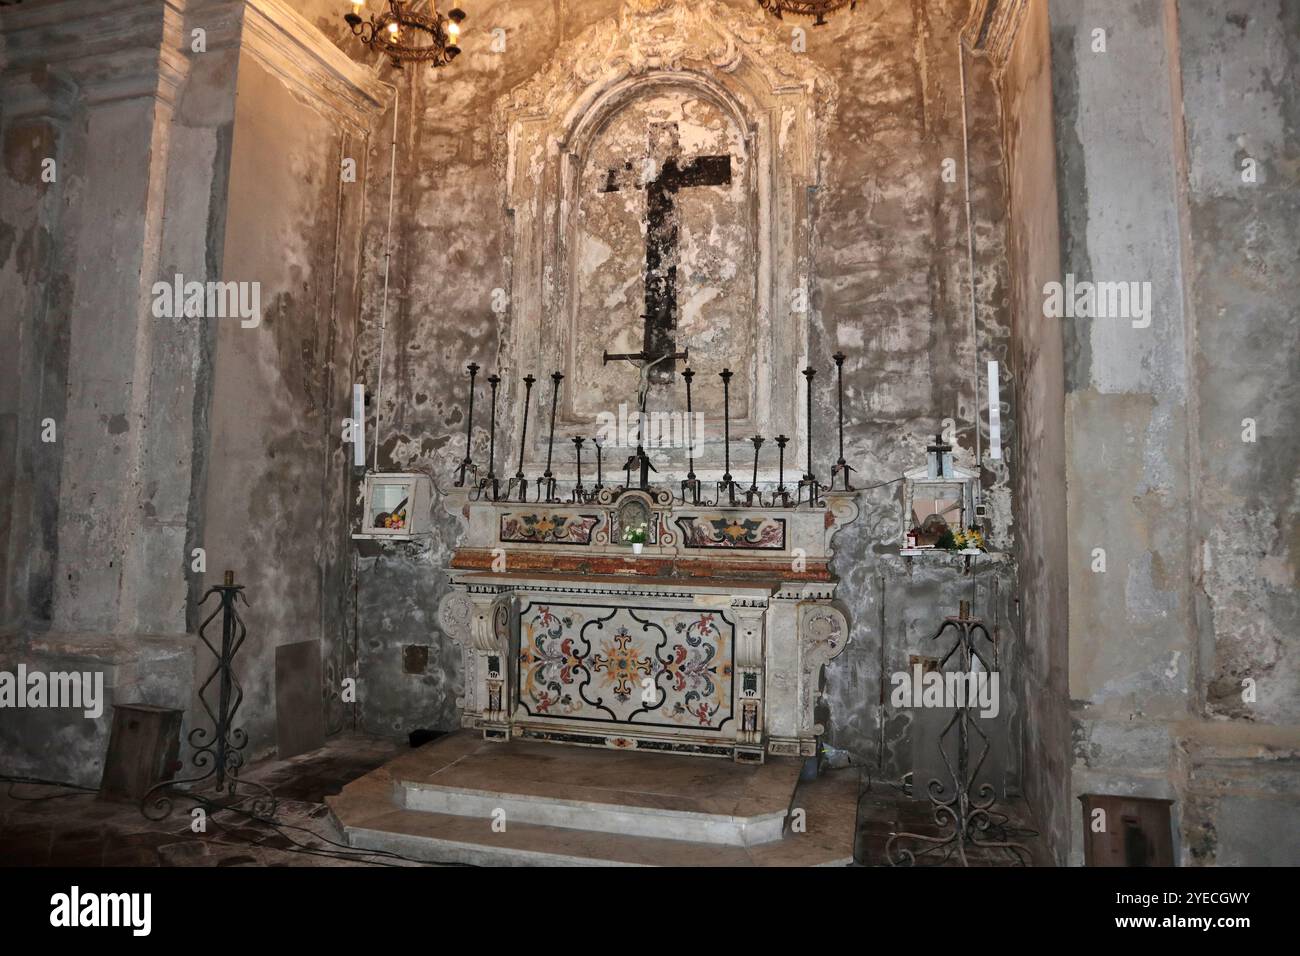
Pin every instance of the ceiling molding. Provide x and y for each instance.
(992, 26)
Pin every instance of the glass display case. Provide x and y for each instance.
(396, 506)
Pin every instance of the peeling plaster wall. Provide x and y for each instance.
(276, 504)
(1241, 99)
(173, 432)
(95, 578)
(890, 289)
(1198, 526)
(1033, 259)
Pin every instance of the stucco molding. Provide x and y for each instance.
(125, 49)
(115, 50)
(992, 27)
(291, 47)
(779, 100)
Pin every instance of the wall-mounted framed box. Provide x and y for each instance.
(939, 507)
(396, 506)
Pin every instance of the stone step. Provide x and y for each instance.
(612, 804)
(663, 822)
(454, 839)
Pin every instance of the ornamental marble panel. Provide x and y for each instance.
(589, 662)
(543, 527)
(736, 532)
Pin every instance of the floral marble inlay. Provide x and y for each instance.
(547, 528)
(649, 666)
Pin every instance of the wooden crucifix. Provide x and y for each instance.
(661, 240)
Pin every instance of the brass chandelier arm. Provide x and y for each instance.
(389, 32)
(819, 9)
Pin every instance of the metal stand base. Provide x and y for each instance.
(963, 812)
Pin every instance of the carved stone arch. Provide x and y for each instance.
(779, 101)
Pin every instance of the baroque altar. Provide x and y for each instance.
(711, 641)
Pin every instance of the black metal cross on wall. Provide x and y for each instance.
(661, 240)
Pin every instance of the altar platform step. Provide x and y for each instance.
(572, 806)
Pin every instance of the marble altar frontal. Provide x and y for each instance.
(710, 641)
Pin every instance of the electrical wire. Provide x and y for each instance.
(13, 781)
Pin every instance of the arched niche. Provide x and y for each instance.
(739, 69)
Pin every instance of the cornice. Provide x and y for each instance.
(992, 26)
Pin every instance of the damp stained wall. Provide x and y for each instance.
(1037, 371)
(890, 288)
(1182, 651)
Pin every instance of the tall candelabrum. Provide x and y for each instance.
(961, 806)
(467, 463)
(728, 484)
(809, 481)
(495, 486)
(842, 469)
(218, 751)
(691, 484)
(547, 482)
(519, 481)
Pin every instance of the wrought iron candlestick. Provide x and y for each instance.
(519, 480)
(491, 481)
(781, 497)
(727, 484)
(468, 463)
(218, 752)
(579, 492)
(547, 480)
(691, 484)
(752, 495)
(809, 480)
(600, 480)
(962, 811)
(842, 468)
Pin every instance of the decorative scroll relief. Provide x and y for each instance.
(737, 532)
(652, 667)
(480, 624)
(824, 632)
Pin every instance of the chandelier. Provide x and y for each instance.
(402, 34)
(807, 8)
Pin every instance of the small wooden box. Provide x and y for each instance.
(1137, 831)
(143, 750)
